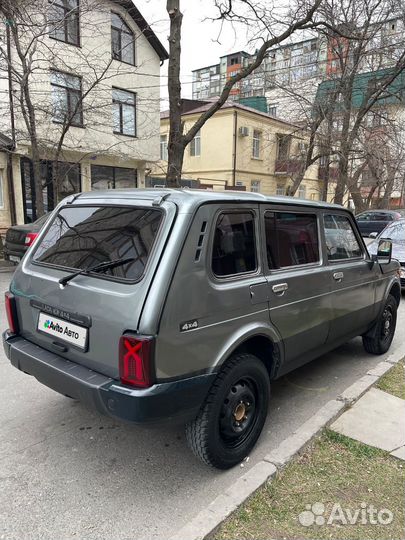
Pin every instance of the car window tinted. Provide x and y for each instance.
(395, 231)
(80, 237)
(291, 239)
(234, 250)
(341, 241)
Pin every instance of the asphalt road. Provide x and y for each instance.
(66, 472)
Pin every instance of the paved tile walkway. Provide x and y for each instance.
(376, 419)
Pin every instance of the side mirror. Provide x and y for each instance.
(384, 253)
(373, 235)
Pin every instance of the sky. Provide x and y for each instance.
(202, 40)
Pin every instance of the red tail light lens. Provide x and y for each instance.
(30, 238)
(11, 312)
(135, 361)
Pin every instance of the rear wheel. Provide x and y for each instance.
(233, 414)
(384, 331)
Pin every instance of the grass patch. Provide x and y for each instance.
(333, 469)
(393, 381)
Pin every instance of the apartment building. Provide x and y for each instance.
(93, 81)
(290, 74)
(243, 148)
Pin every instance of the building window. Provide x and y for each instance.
(124, 112)
(1, 190)
(68, 182)
(280, 189)
(112, 178)
(302, 191)
(67, 98)
(163, 148)
(255, 186)
(195, 145)
(122, 40)
(64, 21)
(272, 110)
(256, 143)
(234, 249)
(283, 146)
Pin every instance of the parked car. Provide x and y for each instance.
(374, 221)
(396, 233)
(169, 305)
(20, 237)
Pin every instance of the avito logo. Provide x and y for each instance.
(49, 325)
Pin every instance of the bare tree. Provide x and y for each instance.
(275, 33)
(364, 71)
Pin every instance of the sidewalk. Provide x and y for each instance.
(6, 266)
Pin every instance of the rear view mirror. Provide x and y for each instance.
(373, 235)
(384, 252)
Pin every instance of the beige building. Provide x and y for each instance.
(243, 148)
(94, 83)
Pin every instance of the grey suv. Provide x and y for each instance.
(152, 305)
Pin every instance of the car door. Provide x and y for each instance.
(352, 276)
(298, 282)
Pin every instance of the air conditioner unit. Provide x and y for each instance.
(244, 131)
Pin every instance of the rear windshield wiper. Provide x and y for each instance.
(107, 265)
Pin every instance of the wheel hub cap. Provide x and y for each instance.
(240, 411)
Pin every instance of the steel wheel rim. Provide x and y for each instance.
(239, 412)
(387, 323)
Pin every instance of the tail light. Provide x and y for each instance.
(11, 312)
(135, 361)
(30, 238)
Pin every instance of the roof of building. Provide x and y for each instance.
(233, 105)
(392, 95)
(189, 199)
(5, 142)
(143, 25)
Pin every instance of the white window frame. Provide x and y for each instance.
(257, 135)
(195, 145)
(255, 186)
(163, 148)
(1, 190)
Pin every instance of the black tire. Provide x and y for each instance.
(233, 414)
(380, 339)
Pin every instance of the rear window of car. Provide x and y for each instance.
(80, 237)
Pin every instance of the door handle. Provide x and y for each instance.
(338, 276)
(280, 288)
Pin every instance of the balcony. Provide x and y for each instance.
(333, 173)
(288, 166)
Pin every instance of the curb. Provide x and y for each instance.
(209, 519)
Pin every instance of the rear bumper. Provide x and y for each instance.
(180, 399)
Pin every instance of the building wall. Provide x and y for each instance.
(95, 142)
(214, 167)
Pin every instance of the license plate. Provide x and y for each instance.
(14, 258)
(63, 330)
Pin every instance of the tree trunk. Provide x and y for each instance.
(176, 146)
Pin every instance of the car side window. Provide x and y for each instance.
(341, 241)
(234, 249)
(291, 239)
(363, 217)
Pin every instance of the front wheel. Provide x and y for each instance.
(233, 414)
(380, 340)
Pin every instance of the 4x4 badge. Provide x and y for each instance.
(189, 325)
